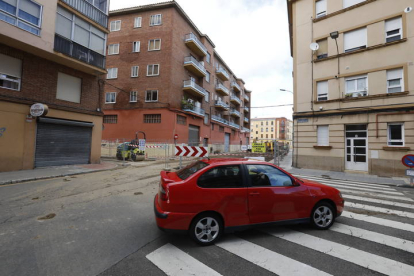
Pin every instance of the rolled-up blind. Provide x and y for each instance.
(10, 66)
(393, 24)
(348, 3)
(355, 39)
(323, 136)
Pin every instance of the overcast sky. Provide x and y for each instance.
(252, 37)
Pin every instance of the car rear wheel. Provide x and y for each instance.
(323, 216)
(206, 229)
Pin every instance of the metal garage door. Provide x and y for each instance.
(226, 142)
(61, 142)
(193, 135)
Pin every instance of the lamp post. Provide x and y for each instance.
(293, 132)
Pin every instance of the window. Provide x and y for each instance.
(348, 3)
(267, 123)
(181, 120)
(320, 8)
(151, 96)
(10, 72)
(393, 29)
(191, 169)
(396, 134)
(133, 96)
(323, 135)
(115, 26)
(206, 118)
(322, 89)
(261, 135)
(152, 118)
(110, 97)
(355, 40)
(100, 4)
(207, 96)
(154, 45)
(271, 136)
(356, 86)
(395, 81)
(134, 71)
(272, 123)
(136, 45)
(267, 135)
(112, 73)
(69, 88)
(268, 176)
(207, 76)
(221, 177)
(153, 70)
(267, 129)
(24, 14)
(322, 52)
(212, 126)
(110, 119)
(261, 123)
(256, 132)
(137, 22)
(156, 20)
(208, 58)
(233, 132)
(272, 129)
(221, 129)
(113, 49)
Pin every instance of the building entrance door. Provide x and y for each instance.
(226, 142)
(356, 157)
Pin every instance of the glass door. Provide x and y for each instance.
(356, 157)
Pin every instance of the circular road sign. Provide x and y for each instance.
(408, 160)
(175, 136)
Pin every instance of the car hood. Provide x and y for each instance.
(315, 184)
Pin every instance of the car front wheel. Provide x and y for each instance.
(323, 216)
(206, 229)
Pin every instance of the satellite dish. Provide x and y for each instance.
(408, 9)
(314, 46)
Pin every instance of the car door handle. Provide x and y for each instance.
(254, 194)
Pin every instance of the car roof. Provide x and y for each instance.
(216, 161)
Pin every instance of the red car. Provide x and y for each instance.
(209, 197)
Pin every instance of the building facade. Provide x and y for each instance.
(353, 66)
(166, 79)
(265, 130)
(52, 53)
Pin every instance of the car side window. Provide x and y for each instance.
(221, 177)
(264, 175)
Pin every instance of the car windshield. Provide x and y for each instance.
(191, 169)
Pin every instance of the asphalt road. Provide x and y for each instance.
(103, 224)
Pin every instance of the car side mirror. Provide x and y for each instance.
(295, 183)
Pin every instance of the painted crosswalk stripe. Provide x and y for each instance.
(267, 259)
(401, 198)
(352, 186)
(342, 180)
(380, 187)
(384, 202)
(350, 254)
(339, 187)
(387, 240)
(174, 262)
(380, 209)
(380, 221)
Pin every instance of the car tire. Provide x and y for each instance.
(206, 229)
(323, 216)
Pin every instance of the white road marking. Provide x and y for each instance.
(350, 254)
(346, 191)
(380, 187)
(339, 187)
(387, 240)
(380, 209)
(385, 202)
(175, 262)
(379, 221)
(267, 259)
(343, 180)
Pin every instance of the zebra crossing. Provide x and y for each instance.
(374, 236)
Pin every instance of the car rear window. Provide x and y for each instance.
(191, 169)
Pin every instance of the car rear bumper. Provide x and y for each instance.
(169, 221)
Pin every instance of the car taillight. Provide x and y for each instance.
(163, 193)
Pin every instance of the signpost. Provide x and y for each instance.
(191, 151)
(258, 148)
(408, 161)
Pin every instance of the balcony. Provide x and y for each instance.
(222, 74)
(234, 113)
(236, 86)
(246, 109)
(195, 44)
(219, 119)
(356, 94)
(90, 11)
(245, 129)
(234, 125)
(77, 51)
(194, 66)
(246, 120)
(191, 108)
(235, 99)
(194, 89)
(246, 98)
(221, 89)
(221, 105)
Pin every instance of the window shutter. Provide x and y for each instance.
(323, 136)
(393, 24)
(69, 88)
(348, 3)
(322, 88)
(394, 74)
(320, 7)
(10, 66)
(323, 46)
(355, 39)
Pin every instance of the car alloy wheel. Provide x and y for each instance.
(323, 216)
(206, 229)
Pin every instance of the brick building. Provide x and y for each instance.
(270, 129)
(165, 78)
(51, 53)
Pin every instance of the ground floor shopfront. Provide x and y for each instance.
(372, 143)
(162, 125)
(59, 138)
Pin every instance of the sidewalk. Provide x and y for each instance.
(51, 172)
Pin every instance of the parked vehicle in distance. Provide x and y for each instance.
(211, 196)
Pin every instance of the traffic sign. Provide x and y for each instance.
(191, 151)
(408, 160)
(256, 147)
(142, 144)
(175, 136)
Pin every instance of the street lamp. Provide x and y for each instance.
(286, 90)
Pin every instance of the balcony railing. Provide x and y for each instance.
(246, 97)
(193, 109)
(79, 52)
(356, 94)
(236, 85)
(221, 88)
(192, 61)
(246, 109)
(222, 104)
(234, 125)
(245, 129)
(194, 86)
(220, 71)
(246, 120)
(219, 119)
(234, 112)
(89, 11)
(192, 38)
(234, 98)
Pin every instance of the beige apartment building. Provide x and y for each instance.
(353, 63)
(264, 130)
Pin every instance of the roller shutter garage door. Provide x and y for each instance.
(61, 142)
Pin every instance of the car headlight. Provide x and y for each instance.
(340, 195)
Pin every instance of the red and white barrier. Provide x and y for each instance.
(191, 151)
